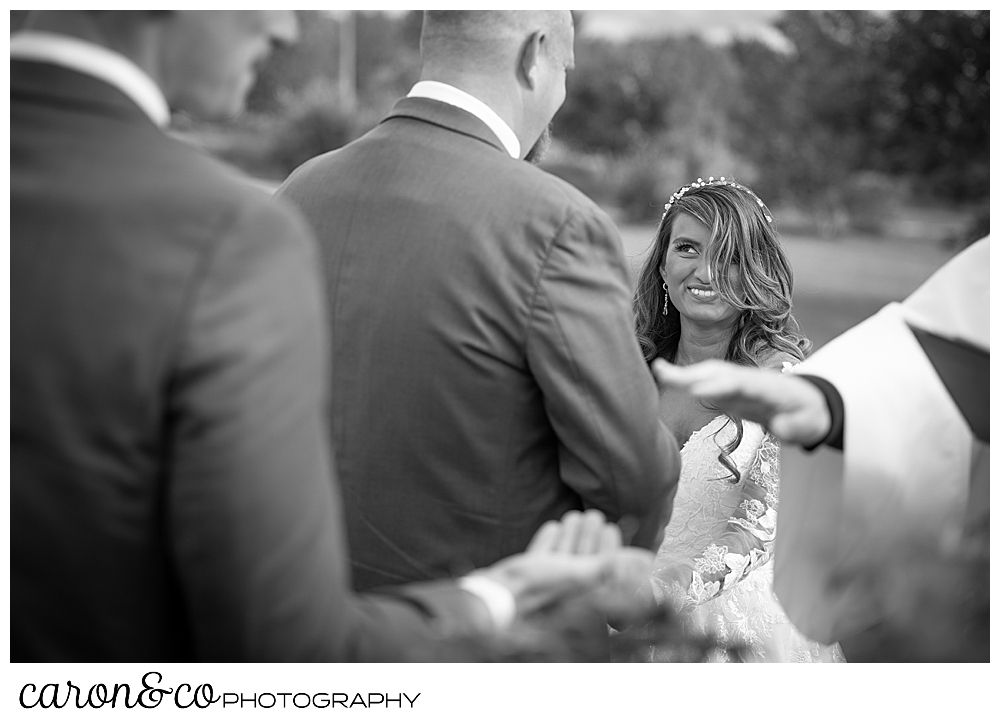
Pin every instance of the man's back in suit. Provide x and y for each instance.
(171, 495)
(115, 233)
(484, 362)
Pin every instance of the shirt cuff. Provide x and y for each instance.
(835, 404)
(495, 596)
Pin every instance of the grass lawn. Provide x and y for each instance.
(837, 283)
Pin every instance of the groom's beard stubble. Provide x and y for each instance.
(537, 152)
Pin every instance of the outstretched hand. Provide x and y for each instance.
(581, 554)
(791, 408)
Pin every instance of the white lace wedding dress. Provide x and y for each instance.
(715, 561)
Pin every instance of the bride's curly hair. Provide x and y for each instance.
(742, 234)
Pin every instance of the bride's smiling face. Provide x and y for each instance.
(687, 270)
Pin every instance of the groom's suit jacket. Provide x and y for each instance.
(485, 366)
(171, 487)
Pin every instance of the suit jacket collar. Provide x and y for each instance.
(56, 85)
(446, 116)
(95, 60)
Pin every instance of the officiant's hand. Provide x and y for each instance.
(580, 555)
(790, 408)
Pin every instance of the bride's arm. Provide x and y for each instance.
(744, 546)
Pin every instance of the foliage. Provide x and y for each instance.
(314, 126)
(870, 200)
(940, 129)
(641, 190)
(649, 95)
(610, 105)
(388, 48)
(291, 68)
(801, 114)
(660, 109)
(977, 228)
(590, 173)
(903, 94)
(386, 58)
(865, 108)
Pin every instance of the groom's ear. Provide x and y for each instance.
(531, 54)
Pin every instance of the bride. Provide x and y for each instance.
(717, 285)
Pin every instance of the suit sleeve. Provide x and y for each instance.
(253, 508)
(599, 394)
(835, 405)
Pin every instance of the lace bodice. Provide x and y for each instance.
(715, 563)
(721, 530)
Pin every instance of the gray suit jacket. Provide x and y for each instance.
(484, 361)
(172, 495)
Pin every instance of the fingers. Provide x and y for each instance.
(718, 380)
(590, 535)
(784, 427)
(581, 532)
(807, 424)
(608, 580)
(676, 377)
(791, 408)
(569, 532)
(546, 538)
(611, 539)
(753, 394)
(707, 377)
(546, 577)
(577, 533)
(666, 374)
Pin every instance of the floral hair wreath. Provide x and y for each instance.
(713, 182)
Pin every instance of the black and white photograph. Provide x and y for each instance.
(509, 336)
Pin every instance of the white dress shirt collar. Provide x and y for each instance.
(96, 61)
(460, 99)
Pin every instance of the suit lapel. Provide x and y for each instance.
(446, 116)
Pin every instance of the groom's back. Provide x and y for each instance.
(437, 248)
(432, 241)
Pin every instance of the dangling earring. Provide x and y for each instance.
(666, 299)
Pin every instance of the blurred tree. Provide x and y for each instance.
(621, 97)
(290, 69)
(811, 114)
(388, 52)
(939, 62)
(606, 107)
(905, 94)
(298, 110)
(662, 106)
(387, 62)
(865, 106)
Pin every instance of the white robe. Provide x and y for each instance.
(850, 524)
